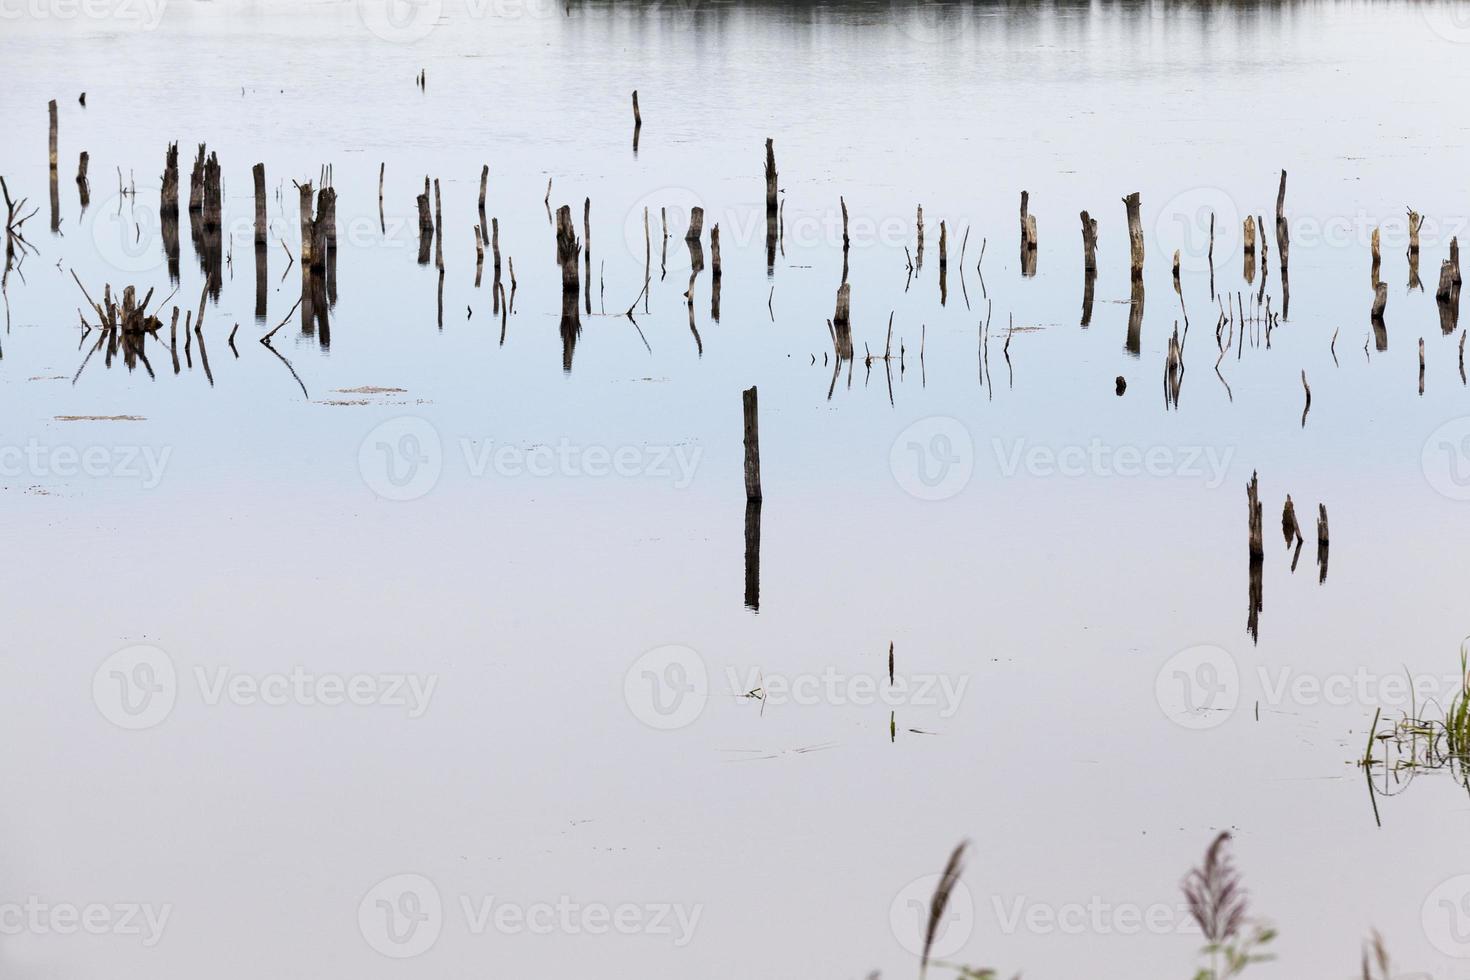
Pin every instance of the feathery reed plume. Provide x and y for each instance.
(1216, 900)
(947, 880)
(1217, 904)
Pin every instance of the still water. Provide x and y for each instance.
(422, 647)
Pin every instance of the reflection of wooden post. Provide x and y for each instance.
(753, 555)
(752, 446)
(1135, 235)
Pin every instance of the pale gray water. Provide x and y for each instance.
(1047, 607)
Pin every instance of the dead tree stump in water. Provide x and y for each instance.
(84, 189)
(1089, 244)
(696, 225)
(258, 173)
(566, 256)
(919, 248)
(426, 225)
(714, 248)
(637, 121)
(752, 445)
(55, 189)
(772, 208)
(1135, 235)
(484, 180)
(1253, 514)
(1283, 238)
(842, 323)
(1416, 221)
(1289, 528)
(1248, 238)
(1028, 236)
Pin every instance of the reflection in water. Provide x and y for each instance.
(1134, 344)
(753, 555)
(1028, 236)
(567, 249)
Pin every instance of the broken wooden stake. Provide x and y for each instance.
(1135, 235)
(752, 445)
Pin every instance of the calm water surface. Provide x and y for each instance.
(1061, 571)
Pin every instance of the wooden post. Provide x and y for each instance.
(772, 208)
(696, 225)
(1089, 243)
(637, 122)
(1289, 529)
(842, 323)
(258, 172)
(919, 249)
(1028, 236)
(566, 250)
(426, 224)
(84, 190)
(1253, 513)
(308, 233)
(1249, 239)
(752, 446)
(55, 189)
(484, 180)
(714, 247)
(1135, 235)
(438, 228)
(1380, 301)
(1283, 239)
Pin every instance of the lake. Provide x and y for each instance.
(429, 640)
